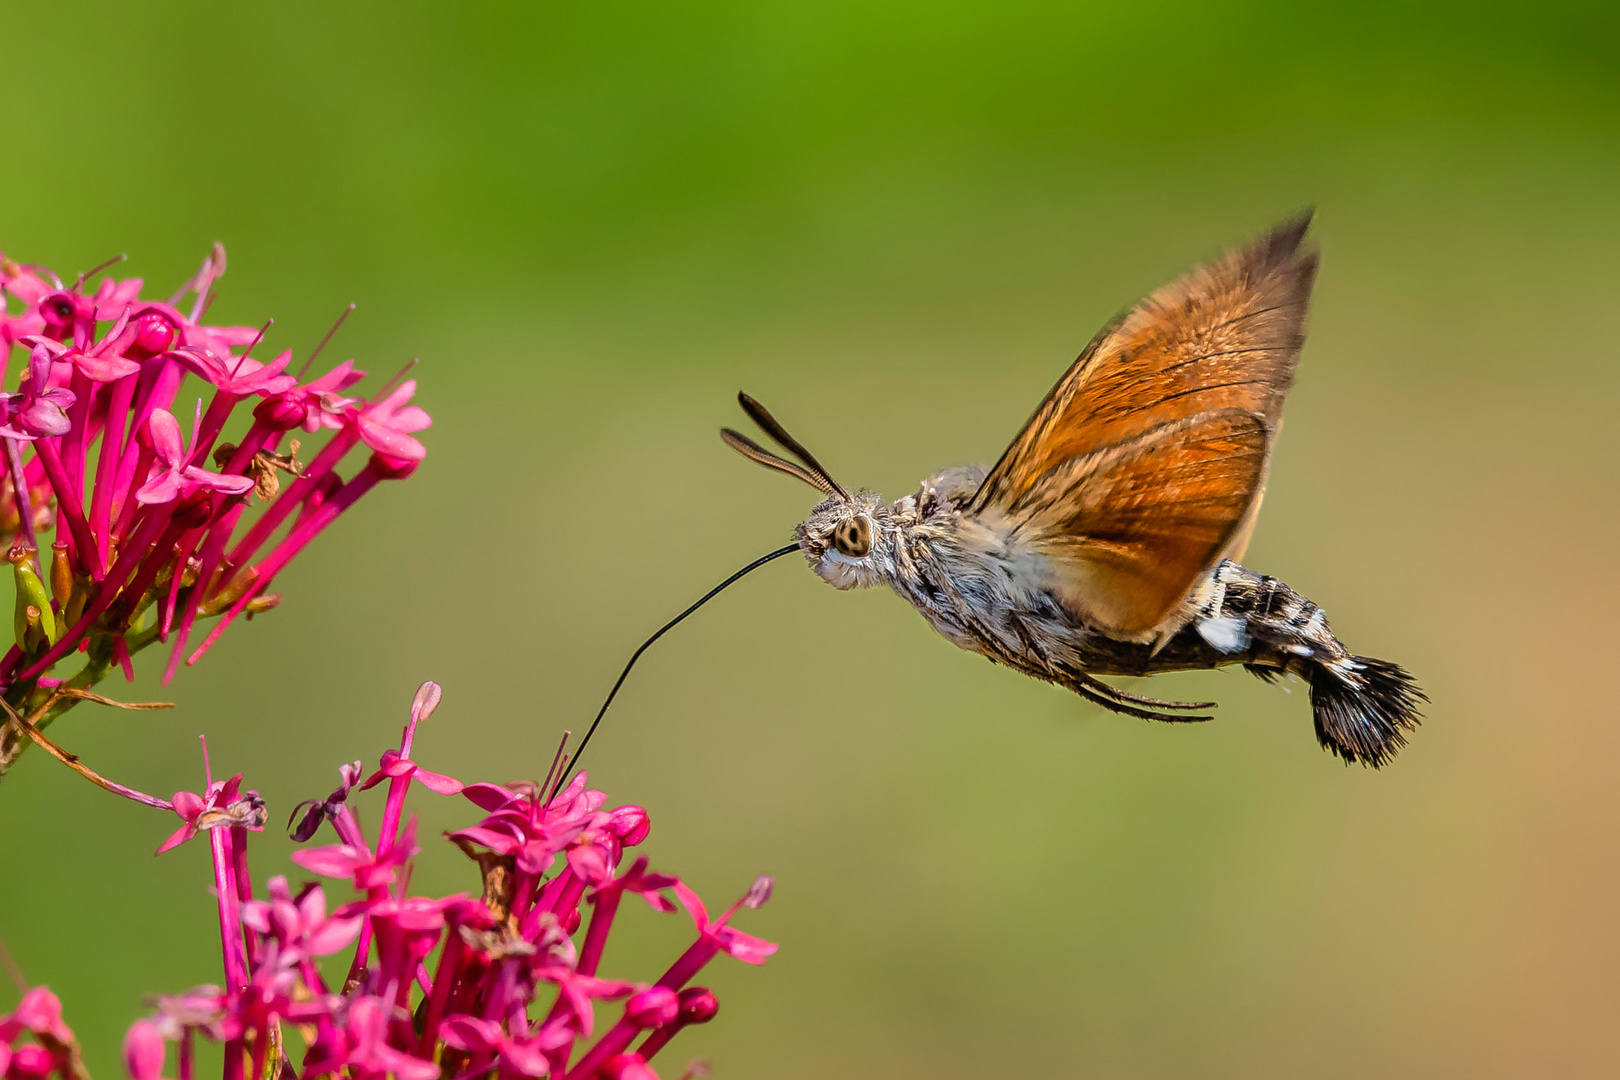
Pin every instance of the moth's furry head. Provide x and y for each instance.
(850, 542)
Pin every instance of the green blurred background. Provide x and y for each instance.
(895, 223)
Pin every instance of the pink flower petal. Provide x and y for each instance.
(333, 935)
(338, 861)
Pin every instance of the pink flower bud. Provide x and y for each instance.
(630, 824)
(428, 696)
(698, 1005)
(760, 891)
(193, 511)
(392, 468)
(653, 1007)
(628, 1067)
(144, 1050)
(570, 921)
(30, 1062)
(153, 334)
(282, 412)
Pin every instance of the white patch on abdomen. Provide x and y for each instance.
(1225, 634)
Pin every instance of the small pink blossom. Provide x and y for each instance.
(365, 1047)
(393, 767)
(37, 409)
(368, 870)
(237, 374)
(497, 989)
(172, 478)
(745, 947)
(114, 298)
(300, 923)
(137, 510)
(223, 803)
(386, 425)
(39, 1013)
(518, 1056)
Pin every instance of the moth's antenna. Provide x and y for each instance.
(562, 781)
(751, 450)
(775, 430)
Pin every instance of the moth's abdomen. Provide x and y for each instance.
(1363, 707)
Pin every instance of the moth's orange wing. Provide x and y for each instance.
(1225, 336)
(1126, 531)
(1129, 502)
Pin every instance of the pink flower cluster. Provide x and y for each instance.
(454, 986)
(52, 1048)
(150, 522)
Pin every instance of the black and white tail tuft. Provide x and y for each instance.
(1364, 707)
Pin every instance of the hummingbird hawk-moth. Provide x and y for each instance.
(1106, 539)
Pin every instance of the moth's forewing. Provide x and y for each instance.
(1126, 531)
(1226, 336)
(1220, 341)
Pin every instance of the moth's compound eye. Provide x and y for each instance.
(853, 536)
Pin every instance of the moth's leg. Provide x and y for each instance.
(1116, 694)
(1100, 693)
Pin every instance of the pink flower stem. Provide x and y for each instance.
(261, 1047)
(397, 787)
(659, 1038)
(503, 990)
(159, 556)
(213, 421)
(348, 829)
(443, 978)
(213, 547)
(289, 548)
(68, 504)
(188, 1050)
(236, 975)
(296, 492)
(188, 544)
(604, 906)
(112, 448)
(131, 508)
(522, 894)
(73, 442)
(127, 561)
(617, 1039)
(568, 893)
(690, 962)
(244, 892)
(548, 892)
(621, 1034)
(155, 371)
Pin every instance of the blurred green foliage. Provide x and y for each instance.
(895, 223)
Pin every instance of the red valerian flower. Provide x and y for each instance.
(37, 409)
(438, 985)
(222, 804)
(53, 1049)
(172, 476)
(386, 425)
(154, 535)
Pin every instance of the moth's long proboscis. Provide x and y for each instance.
(562, 781)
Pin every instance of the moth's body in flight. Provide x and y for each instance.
(1105, 541)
